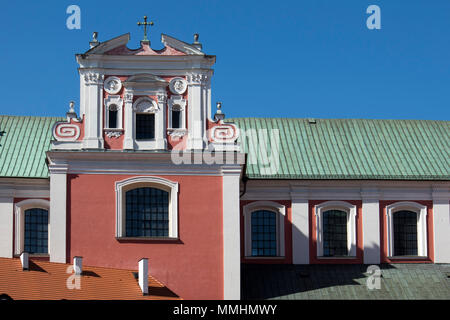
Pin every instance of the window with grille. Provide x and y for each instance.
(405, 233)
(264, 233)
(147, 212)
(145, 126)
(112, 117)
(36, 231)
(176, 119)
(335, 233)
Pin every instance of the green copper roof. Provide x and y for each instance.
(345, 148)
(345, 282)
(23, 146)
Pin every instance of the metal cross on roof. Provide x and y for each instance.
(145, 24)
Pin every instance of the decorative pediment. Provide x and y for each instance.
(179, 45)
(109, 45)
(118, 46)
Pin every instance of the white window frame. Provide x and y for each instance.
(280, 212)
(350, 209)
(421, 210)
(19, 212)
(155, 143)
(114, 100)
(153, 182)
(176, 102)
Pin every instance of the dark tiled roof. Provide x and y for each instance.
(48, 281)
(398, 281)
(345, 148)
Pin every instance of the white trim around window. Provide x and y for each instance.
(155, 182)
(116, 103)
(421, 211)
(350, 209)
(279, 210)
(19, 217)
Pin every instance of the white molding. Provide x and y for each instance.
(421, 212)
(24, 188)
(350, 209)
(116, 88)
(178, 85)
(121, 187)
(179, 45)
(19, 220)
(159, 142)
(113, 100)
(176, 102)
(348, 190)
(279, 210)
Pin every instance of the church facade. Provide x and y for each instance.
(145, 170)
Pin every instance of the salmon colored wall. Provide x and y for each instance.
(192, 266)
(383, 234)
(313, 259)
(287, 236)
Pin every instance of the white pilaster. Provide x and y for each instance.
(128, 142)
(93, 138)
(58, 201)
(197, 99)
(371, 225)
(300, 226)
(441, 225)
(6, 227)
(231, 233)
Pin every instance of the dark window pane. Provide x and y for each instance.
(145, 126)
(145, 217)
(405, 233)
(264, 235)
(335, 233)
(112, 119)
(36, 234)
(176, 119)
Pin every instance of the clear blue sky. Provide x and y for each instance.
(312, 58)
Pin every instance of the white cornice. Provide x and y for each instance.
(24, 188)
(346, 190)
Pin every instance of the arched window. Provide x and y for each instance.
(147, 212)
(405, 233)
(264, 233)
(336, 229)
(335, 233)
(406, 229)
(36, 231)
(32, 218)
(113, 113)
(147, 207)
(264, 229)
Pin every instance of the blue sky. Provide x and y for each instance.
(312, 58)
